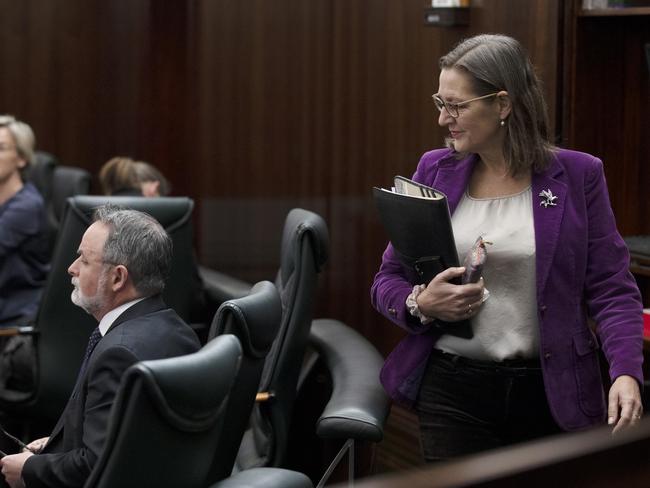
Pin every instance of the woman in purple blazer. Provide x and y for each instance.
(557, 274)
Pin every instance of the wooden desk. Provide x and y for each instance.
(593, 458)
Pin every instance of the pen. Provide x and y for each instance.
(16, 440)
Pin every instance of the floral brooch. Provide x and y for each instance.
(548, 199)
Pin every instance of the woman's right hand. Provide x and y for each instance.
(449, 302)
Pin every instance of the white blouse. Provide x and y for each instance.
(506, 326)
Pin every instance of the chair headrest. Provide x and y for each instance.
(189, 390)
(171, 212)
(40, 171)
(66, 182)
(299, 225)
(254, 319)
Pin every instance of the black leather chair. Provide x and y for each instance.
(175, 215)
(167, 420)
(40, 172)
(254, 320)
(220, 287)
(67, 181)
(304, 247)
(358, 406)
(56, 184)
(355, 410)
(61, 329)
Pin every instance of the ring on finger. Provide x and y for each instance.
(469, 309)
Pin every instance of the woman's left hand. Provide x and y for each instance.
(624, 407)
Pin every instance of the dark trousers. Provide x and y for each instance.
(466, 406)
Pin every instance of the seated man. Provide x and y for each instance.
(124, 258)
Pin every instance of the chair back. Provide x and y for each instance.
(62, 328)
(304, 248)
(340, 394)
(41, 171)
(56, 184)
(67, 181)
(167, 418)
(254, 320)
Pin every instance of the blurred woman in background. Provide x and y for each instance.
(24, 254)
(121, 176)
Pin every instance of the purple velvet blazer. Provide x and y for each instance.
(581, 271)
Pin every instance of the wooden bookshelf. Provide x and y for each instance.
(603, 59)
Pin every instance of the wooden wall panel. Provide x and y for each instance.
(309, 99)
(609, 107)
(536, 24)
(263, 73)
(253, 107)
(99, 79)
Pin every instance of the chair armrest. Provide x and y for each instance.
(358, 406)
(265, 478)
(19, 330)
(220, 287)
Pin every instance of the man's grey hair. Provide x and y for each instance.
(137, 241)
(23, 137)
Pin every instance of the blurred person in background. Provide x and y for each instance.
(24, 256)
(122, 176)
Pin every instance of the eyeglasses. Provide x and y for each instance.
(452, 108)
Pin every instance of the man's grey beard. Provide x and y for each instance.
(90, 304)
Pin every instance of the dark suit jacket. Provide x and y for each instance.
(147, 330)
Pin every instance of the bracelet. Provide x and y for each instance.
(412, 304)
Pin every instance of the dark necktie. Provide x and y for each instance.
(95, 337)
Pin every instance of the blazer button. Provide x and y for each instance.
(392, 311)
(547, 355)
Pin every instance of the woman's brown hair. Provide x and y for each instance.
(496, 63)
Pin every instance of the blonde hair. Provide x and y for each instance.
(23, 137)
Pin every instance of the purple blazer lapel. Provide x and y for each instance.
(547, 219)
(452, 178)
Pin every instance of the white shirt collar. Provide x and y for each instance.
(109, 318)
